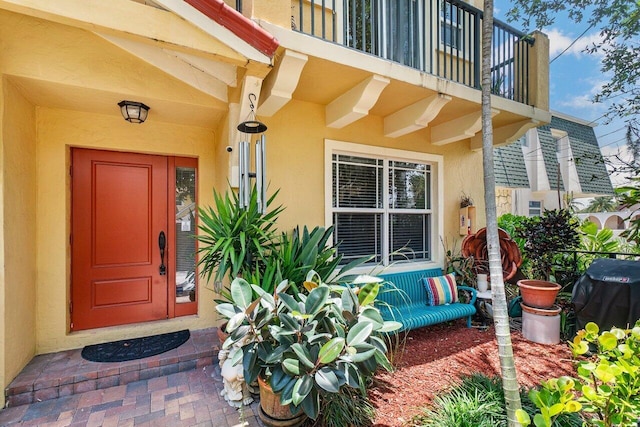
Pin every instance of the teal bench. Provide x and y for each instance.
(403, 298)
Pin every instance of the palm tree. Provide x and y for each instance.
(602, 204)
(498, 297)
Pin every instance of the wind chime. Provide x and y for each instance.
(252, 126)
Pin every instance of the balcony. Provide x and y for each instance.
(441, 38)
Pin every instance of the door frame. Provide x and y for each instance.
(173, 308)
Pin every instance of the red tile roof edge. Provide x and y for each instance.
(238, 24)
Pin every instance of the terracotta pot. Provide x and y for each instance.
(554, 310)
(538, 293)
(222, 335)
(273, 413)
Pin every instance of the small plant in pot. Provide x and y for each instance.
(545, 237)
(306, 345)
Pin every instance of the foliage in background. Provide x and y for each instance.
(607, 389)
(510, 223)
(629, 196)
(477, 401)
(598, 240)
(601, 204)
(545, 237)
(618, 23)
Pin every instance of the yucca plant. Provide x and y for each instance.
(234, 239)
(293, 256)
(307, 345)
(303, 251)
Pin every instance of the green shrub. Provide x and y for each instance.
(478, 401)
(607, 389)
(509, 223)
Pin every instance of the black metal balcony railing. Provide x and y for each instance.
(440, 37)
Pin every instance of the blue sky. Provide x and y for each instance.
(575, 77)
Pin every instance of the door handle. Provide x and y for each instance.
(162, 243)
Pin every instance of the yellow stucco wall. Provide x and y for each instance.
(295, 164)
(18, 240)
(3, 320)
(83, 65)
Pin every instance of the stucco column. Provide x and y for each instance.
(3, 320)
(539, 71)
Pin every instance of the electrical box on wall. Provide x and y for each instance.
(468, 220)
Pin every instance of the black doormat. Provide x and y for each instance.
(137, 348)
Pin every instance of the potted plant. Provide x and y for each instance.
(545, 237)
(306, 345)
(467, 215)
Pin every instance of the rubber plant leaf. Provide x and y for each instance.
(311, 405)
(241, 293)
(331, 350)
(286, 395)
(316, 300)
(362, 356)
(252, 306)
(327, 379)
(291, 366)
(226, 310)
(289, 301)
(250, 363)
(372, 314)
(301, 389)
(359, 333)
(235, 321)
(303, 355)
(279, 379)
(382, 360)
(349, 300)
(368, 293)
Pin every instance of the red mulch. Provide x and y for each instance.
(434, 357)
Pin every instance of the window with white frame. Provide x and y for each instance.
(382, 206)
(535, 208)
(450, 29)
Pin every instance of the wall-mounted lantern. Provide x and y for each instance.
(134, 112)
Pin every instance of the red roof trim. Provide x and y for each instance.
(238, 24)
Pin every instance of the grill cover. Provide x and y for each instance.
(608, 293)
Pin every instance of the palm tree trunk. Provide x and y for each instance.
(498, 297)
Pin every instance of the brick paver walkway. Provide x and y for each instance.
(190, 398)
(178, 388)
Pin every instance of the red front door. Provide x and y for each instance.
(119, 210)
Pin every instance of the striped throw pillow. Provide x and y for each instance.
(441, 290)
